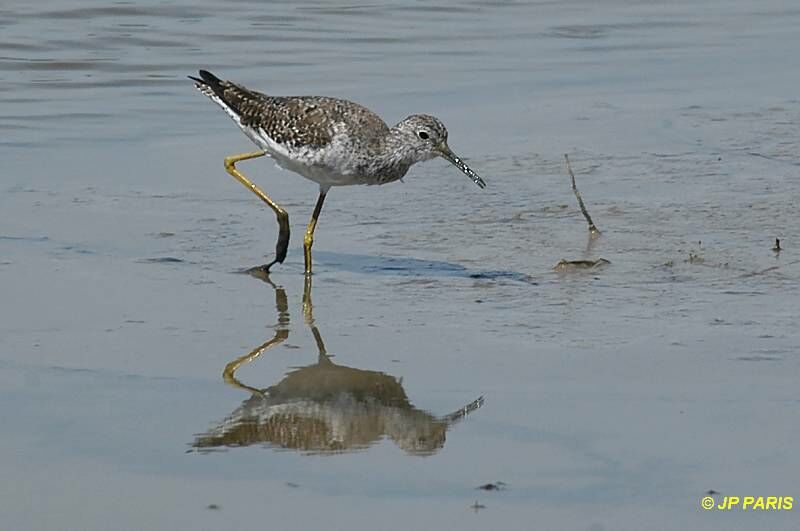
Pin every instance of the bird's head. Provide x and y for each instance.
(426, 137)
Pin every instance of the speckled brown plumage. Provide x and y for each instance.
(295, 121)
(331, 141)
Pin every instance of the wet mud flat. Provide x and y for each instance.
(466, 358)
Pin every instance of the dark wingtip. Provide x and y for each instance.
(209, 80)
(206, 78)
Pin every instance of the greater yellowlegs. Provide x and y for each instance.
(330, 141)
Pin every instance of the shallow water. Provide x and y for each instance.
(613, 396)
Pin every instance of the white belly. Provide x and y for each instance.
(329, 166)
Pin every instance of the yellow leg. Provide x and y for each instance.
(283, 217)
(308, 240)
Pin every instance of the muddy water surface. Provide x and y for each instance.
(613, 397)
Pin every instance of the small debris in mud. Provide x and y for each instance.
(213, 507)
(497, 485)
(756, 273)
(777, 248)
(547, 209)
(292, 485)
(758, 357)
(565, 266)
(711, 492)
(161, 260)
(477, 506)
(695, 258)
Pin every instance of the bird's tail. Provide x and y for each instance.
(241, 104)
(208, 84)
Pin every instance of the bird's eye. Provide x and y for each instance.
(423, 135)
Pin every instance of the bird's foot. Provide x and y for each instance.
(261, 272)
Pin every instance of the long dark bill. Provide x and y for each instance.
(461, 165)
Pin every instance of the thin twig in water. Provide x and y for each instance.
(592, 227)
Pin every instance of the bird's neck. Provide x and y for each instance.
(394, 156)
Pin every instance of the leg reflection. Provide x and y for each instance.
(281, 333)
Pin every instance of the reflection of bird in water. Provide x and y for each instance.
(325, 407)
